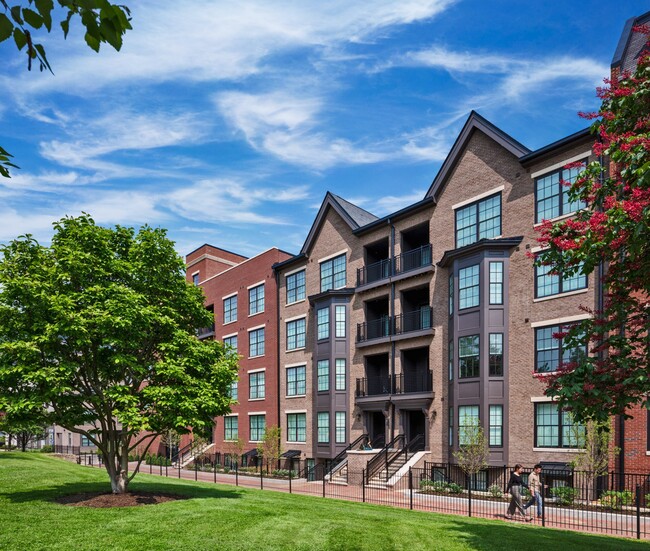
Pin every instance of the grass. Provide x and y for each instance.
(219, 517)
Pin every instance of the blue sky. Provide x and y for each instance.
(226, 122)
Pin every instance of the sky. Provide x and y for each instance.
(226, 122)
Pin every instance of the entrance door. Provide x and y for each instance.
(416, 425)
(377, 429)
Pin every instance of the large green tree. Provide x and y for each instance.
(100, 330)
(22, 21)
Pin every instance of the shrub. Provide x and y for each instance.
(616, 500)
(440, 487)
(283, 473)
(495, 491)
(565, 495)
(158, 460)
(47, 449)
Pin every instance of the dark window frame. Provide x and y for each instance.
(561, 192)
(475, 205)
(295, 287)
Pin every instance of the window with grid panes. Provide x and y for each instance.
(296, 334)
(548, 284)
(332, 273)
(552, 194)
(467, 420)
(231, 427)
(256, 389)
(496, 282)
(480, 220)
(551, 352)
(256, 300)
(296, 287)
(339, 427)
(468, 357)
(468, 287)
(451, 426)
(556, 429)
(296, 427)
(230, 309)
(496, 355)
(323, 427)
(296, 377)
(257, 426)
(256, 342)
(451, 294)
(323, 323)
(339, 374)
(496, 426)
(231, 342)
(323, 375)
(339, 322)
(234, 390)
(451, 360)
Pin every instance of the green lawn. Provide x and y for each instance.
(219, 518)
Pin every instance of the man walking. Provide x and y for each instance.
(535, 487)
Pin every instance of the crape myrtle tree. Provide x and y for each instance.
(22, 22)
(99, 330)
(612, 237)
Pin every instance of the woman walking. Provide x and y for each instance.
(514, 487)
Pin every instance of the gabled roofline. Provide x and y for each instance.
(580, 135)
(474, 122)
(214, 247)
(407, 210)
(624, 40)
(278, 265)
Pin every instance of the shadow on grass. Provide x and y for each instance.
(497, 536)
(53, 492)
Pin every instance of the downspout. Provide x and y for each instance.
(391, 313)
(277, 358)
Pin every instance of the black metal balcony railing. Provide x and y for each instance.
(375, 329)
(414, 321)
(205, 332)
(402, 263)
(401, 383)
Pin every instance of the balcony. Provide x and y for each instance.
(399, 384)
(387, 326)
(416, 259)
(375, 329)
(205, 332)
(374, 272)
(413, 259)
(418, 320)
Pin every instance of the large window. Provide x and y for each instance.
(339, 322)
(296, 377)
(496, 354)
(323, 372)
(547, 284)
(339, 427)
(231, 427)
(496, 426)
(256, 300)
(478, 221)
(256, 342)
(556, 429)
(296, 427)
(468, 420)
(468, 357)
(296, 334)
(256, 389)
(85, 441)
(550, 352)
(339, 374)
(332, 273)
(323, 426)
(234, 391)
(230, 309)
(323, 323)
(296, 287)
(468, 287)
(231, 342)
(552, 194)
(496, 282)
(451, 294)
(257, 424)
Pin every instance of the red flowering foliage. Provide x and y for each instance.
(611, 239)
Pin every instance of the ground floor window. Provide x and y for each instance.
(257, 427)
(296, 427)
(556, 429)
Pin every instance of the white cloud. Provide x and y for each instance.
(381, 206)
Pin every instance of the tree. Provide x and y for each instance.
(612, 237)
(270, 448)
(170, 439)
(99, 329)
(26, 430)
(234, 450)
(104, 23)
(473, 452)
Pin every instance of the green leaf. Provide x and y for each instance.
(43, 58)
(92, 41)
(32, 18)
(6, 27)
(15, 14)
(19, 39)
(45, 8)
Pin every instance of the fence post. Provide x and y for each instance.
(237, 474)
(323, 481)
(150, 467)
(410, 488)
(196, 472)
(166, 470)
(469, 496)
(363, 485)
(161, 469)
(505, 479)
(638, 512)
(290, 471)
(543, 502)
(215, 468)
(262, 476)
(179, 468)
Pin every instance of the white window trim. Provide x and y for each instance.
(478, 197)
(326, 258)
(256, 370)
(257, 327)
(561, 164)
(229, 296)
(230, 335)
(539, 399)
(292, 411)
(231, 415)
(256, 399)
(562, 295)
(296, 318)
(255, 285)
(296, 302)
(290, 350)
(556, 219)
(287, 274)
(257, 413)
(559, 450)
(560, 321)
(288, 397)
(299, 364)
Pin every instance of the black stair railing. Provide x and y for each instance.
(385, 456)
(334, 463)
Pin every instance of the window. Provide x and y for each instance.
(256, 385)
(296, 334)
(332, 273)
(231, 342)
(323, 369)
(468, 357)
(550, 352)
(234, 391)
(296, 377)
(339, 374)
(231, 427)
(296, 287)
(468, 287)
(323, 425)
(85, 442)
(339, 322)
(451, 360)
(467, 421)
(339, 427)
(296, 427)
(478, 221)
(451, 294)
(555, 429)
(195, 281)
(230, 309)
(496, 354)
(496, 282)
(496, 426)
(552, 195)
(323, 323)
(451, 426)
(257, 424)
(547, 284)
(256, 342)
(256, 300)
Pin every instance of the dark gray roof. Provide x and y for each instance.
(357, 214)
(630, 44)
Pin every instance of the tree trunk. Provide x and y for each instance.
(119, 482)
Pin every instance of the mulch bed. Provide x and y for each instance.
(103, 500)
